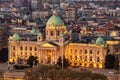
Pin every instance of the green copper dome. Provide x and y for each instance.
(55, 21)
(16, 37)
(100, 40)
(34, 31)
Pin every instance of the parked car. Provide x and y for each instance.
(21, 66)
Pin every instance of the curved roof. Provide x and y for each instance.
(55, 21)
(34, 31)
(100, 40)
(16, 37)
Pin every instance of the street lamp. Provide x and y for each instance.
(34, 64)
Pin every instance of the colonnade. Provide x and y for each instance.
(48, 56)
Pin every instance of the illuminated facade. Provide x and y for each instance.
(57, 42)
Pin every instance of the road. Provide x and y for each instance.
(4, 67)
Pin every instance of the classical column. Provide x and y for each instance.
(45, 56)
(55, 53)
(43, 53)
(39, 56)
(51, 57)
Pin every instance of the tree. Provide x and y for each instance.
(109, 61)
(66, 62)
(49, 72)
(32, 61)
(4, 55)
(116, 65)
(98, 76)
(52, 74)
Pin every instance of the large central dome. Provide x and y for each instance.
(55, 20)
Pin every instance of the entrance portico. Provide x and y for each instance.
(48, 53)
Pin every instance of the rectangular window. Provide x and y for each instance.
(85, 58)
(70, 57)
(80, 57)
(25, 48)
(75, 57)
(80, 51)
(71, 51)
(90, 58)
(51, 33)
(98, 59)
(90, 51)
(98, 52)
(85, 51)
(13, 47)
(13, 54)
(58, 33)
(75, 51)
(30, 48)
(21, 48)
(35, 49)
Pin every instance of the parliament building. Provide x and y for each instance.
(58, 41)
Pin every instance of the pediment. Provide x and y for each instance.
(48, 45)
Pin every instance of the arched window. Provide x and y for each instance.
(35, 49)
(30, 48)
(58, 33)
(21, 48)
(98, 59)
(80, 51)
(90, 51)
(98, 52)
(51, 33)
(25, 48)
(75, 50)
(90, 58)
(75, 57)
(13, 47)
(85, 51)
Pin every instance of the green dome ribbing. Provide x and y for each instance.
(55, 21)
(34, 31)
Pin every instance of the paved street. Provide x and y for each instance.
(4, 67)
(11, 74)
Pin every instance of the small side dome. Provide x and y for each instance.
(34, 31)
(100, 40)
(16, 37)
(114, 34)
